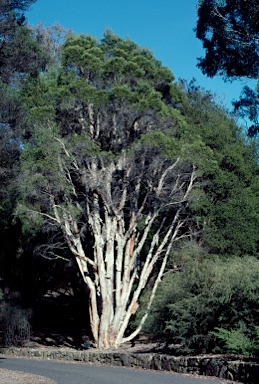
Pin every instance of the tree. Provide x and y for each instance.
(229, 31)
(11, 15)
(227, 225)
(11, 123)
(231, 185)
(20, 56)
(96, 73)
(115, 176)
(50, 40)
(19, 52)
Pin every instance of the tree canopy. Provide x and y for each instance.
(231, 184)
(229, 31)
(19, 52)
(113, 168)
(121, 164)
(105, 168)
(20, 55)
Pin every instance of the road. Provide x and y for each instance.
(82, 373)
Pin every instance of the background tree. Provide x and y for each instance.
(20, 56)
(229, 32)
(50, 39)
(19, 52)
(228, 213)
(12, 118)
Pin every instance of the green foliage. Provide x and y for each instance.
(31, 221)
(41, 95)
(204, 294)
(230, 178)
(20, 56)
(234, 341)
(111, 104)
(228, 30)
(123, 84)
(12, 124)
(19, 52)
(157, 140)
(44, 162)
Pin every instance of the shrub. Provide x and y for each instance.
(207, 294)
(14, 322)
(234, 341)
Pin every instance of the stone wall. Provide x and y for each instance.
(245, 372)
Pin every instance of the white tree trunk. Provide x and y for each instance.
(118, 262)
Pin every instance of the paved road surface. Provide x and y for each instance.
(80, 373)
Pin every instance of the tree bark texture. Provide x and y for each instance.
(130, 212)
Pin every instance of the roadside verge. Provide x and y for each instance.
(245, 372)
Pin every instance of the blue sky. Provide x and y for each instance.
(165, 27)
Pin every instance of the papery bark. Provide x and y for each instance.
(113, 269)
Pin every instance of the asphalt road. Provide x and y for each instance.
(81, 373)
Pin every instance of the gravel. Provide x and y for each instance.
(18, 377)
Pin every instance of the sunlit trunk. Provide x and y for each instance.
(123, 254)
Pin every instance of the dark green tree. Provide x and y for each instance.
(229, 31)
(19, 52)
(228, 213)
(20, 56)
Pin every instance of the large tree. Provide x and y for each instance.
(114, 177)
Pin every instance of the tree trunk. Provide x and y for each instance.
(123, 256)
